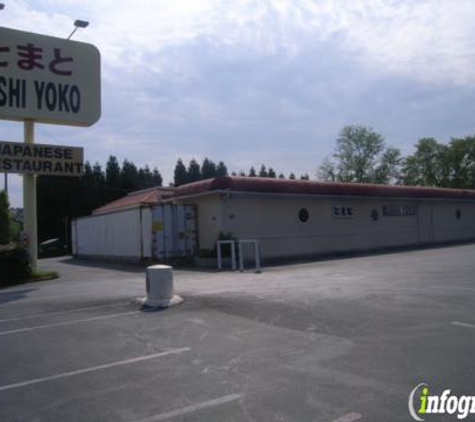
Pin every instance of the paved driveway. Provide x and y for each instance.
(340, 340)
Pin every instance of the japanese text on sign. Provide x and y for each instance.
(342, 212)
(30, 57)
(49, 80)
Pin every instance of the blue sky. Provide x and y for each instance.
(261, 81)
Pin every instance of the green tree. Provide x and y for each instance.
(113, 172)
(436, 164)
(281, 176)
(327, 171)
(263, 171)
(427, 166)
(252, 172)
(88, 176)
(194, 171)
(156, 177)
(99, 176)
(5, 219)
(221, 170)
(129, 177)
(271, 173)
(208, 169)
(459, 161)
(305, 177)
(389, 169)
(180, 174)
(361, 156)
(292, 176)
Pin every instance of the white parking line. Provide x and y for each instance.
(463, 324)
(61, 312)
(192, 408)
(350, 417)
(94, 368)
(62, 324)
(79, 293)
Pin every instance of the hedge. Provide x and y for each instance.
(15, 265)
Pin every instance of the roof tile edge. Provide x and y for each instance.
(286, 186)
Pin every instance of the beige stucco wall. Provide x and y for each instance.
(209, 217)
(447, 227)
(274, 221)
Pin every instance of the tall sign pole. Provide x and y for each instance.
(29, 201)
(45, 80)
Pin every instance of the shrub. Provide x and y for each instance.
(15, 264)
(5, 218)
(225, 249)
(207, 253)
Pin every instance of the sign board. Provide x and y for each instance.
(342, 212)
(52, 160)
(48, 80)
(399, 210)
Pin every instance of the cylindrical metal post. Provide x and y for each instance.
(233, 255)
(257, 252)
(29, 201)
(218, 248)
(241, 258)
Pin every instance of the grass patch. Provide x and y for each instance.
(43, 275)
(33, 278)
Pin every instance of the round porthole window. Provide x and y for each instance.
(303, 215)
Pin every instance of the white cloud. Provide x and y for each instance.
(272, 81)
(433, 41)
(430, 40)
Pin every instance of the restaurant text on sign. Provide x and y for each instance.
(50, 160)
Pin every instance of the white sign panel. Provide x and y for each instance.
(52, 160)
(48, 80)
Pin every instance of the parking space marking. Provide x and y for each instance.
(94, 368)
(62, 324)
(193, 408)
(350, 417)
(79, 293)
(463, 324)
(61, 312)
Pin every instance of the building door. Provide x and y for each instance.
(425, 226)
(173, 231)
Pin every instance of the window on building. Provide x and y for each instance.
(303, 215)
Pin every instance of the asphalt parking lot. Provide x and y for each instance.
(333, 341)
